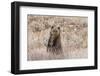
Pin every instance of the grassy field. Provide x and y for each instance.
(74, 35)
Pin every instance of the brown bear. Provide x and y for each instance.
(54, 42)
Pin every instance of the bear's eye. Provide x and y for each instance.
(52, 27)
(58, 27)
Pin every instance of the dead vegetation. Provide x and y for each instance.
(74, 35)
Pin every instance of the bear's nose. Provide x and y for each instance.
(55, 30)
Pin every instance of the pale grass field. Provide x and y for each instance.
(73, 37)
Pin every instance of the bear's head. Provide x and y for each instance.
(55, 32)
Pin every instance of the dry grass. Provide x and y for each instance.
(73, 37)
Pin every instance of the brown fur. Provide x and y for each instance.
(54, 43)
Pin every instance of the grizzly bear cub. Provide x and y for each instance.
(54, 43)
